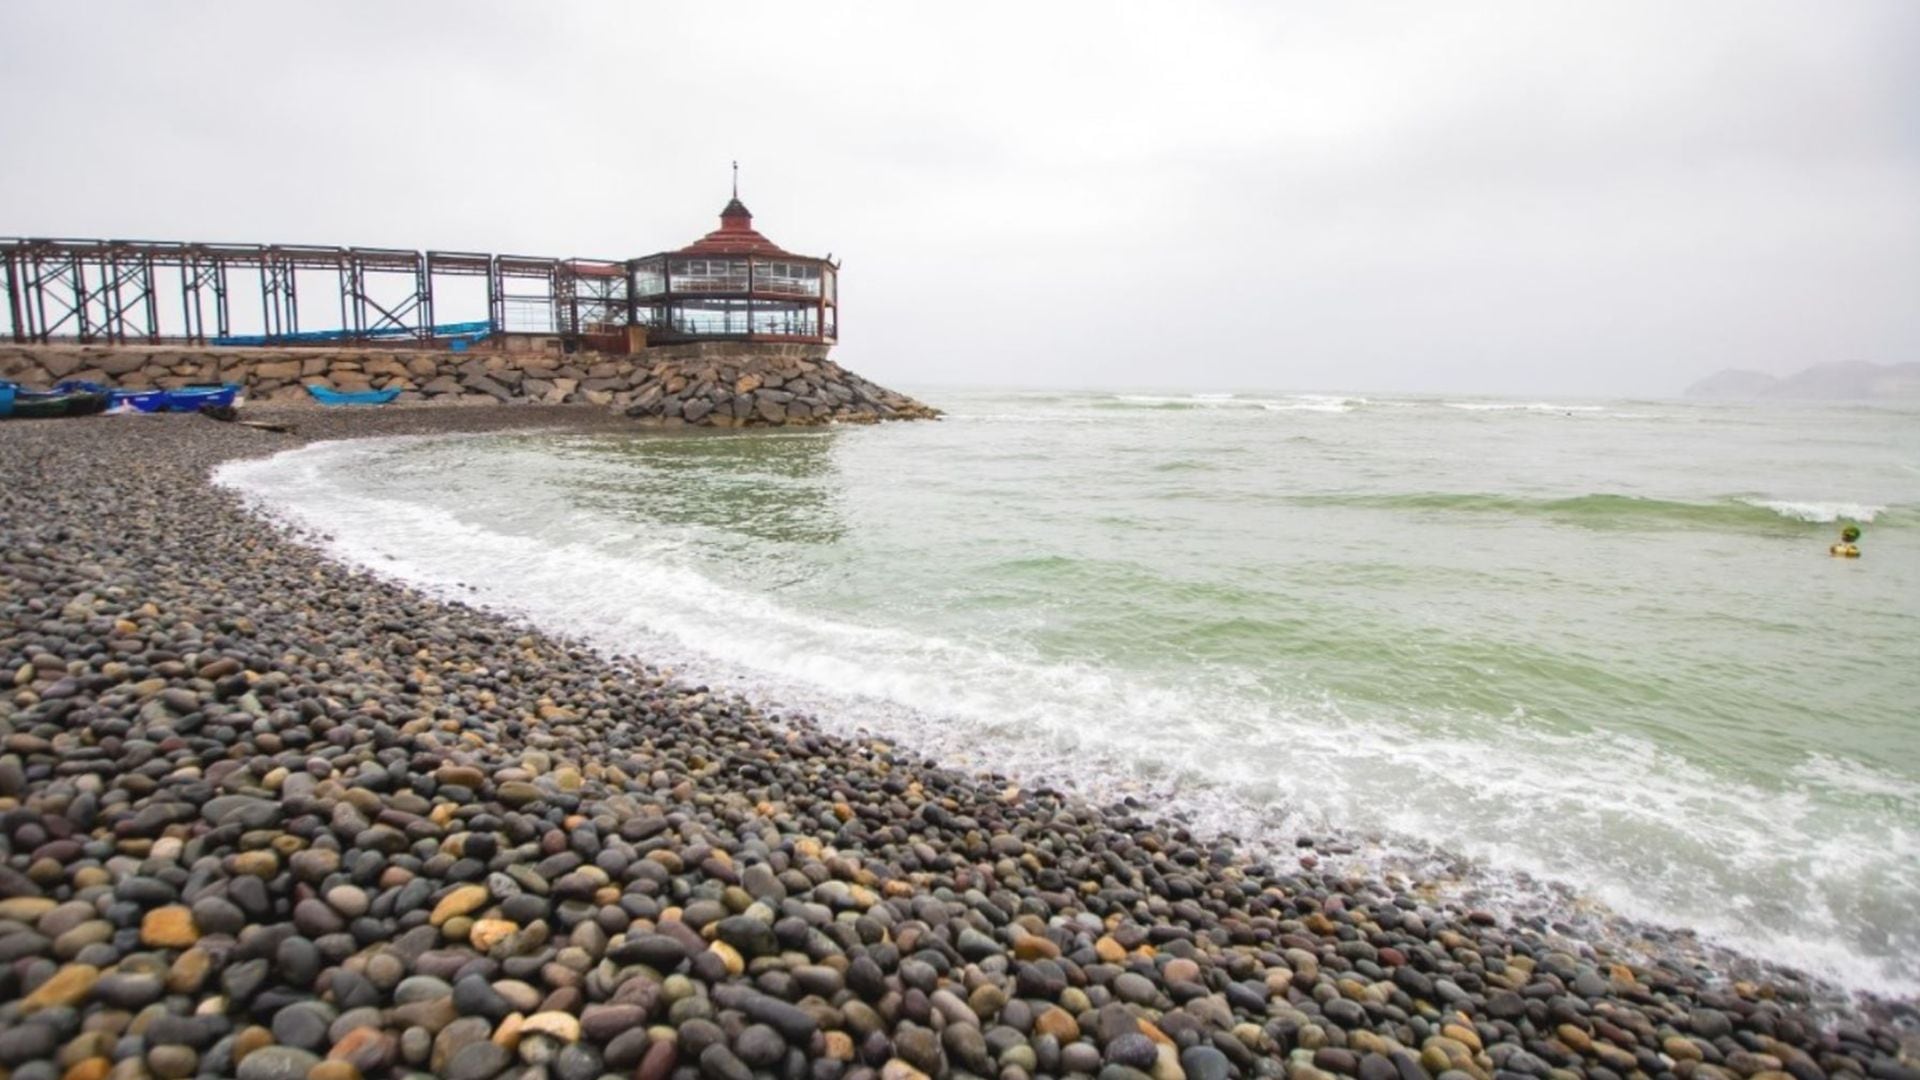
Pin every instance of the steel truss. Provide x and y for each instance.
(108, 291)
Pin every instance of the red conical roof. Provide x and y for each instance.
(735, 236)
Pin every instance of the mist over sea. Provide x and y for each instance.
(1599, 644)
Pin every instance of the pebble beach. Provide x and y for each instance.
(269, 817)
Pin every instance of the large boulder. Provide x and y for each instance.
(59, 365)
(121, 362)
(483, 385)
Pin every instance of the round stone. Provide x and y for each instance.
(1135, 1051)
(277, 1063)
(759, 1046)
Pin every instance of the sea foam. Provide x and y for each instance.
(1819, 513)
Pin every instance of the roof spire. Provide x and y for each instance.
(736, 215)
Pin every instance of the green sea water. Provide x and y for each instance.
(1595, 644)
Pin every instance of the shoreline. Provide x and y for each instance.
(606, 783)
(1573, 909)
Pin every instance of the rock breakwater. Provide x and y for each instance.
(263, 816)
(723, 386)
(705, 385)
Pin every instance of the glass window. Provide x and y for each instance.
(648, 279)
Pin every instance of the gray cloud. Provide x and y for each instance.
(1598, 198)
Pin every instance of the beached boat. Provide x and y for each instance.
(78, 398)
(328, 396)
(145, 401)
(195, 398)
(31, 404)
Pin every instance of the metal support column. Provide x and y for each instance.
(149, 300)
(422, 299)
(349, 288)
(496, 298)
(16, 312)
(81, 298)
(192, 317)
(279, 302)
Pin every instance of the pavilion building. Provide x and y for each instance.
(734, 284)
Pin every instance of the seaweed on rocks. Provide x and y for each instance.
(264, 816)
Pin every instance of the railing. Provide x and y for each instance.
(736, 325)
(693, 284)
(786, 287)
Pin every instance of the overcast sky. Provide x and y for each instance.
(1521, 197)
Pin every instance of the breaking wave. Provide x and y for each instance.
(1624, 511)
(1326, 403)
(1522, 406)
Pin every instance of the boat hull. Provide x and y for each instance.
(328, 396)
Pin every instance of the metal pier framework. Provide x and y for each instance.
(732, 284)
(113, 292)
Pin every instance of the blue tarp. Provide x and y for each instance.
(471, 331)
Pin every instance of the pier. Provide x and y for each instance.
(731, 285)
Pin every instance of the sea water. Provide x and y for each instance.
(1596, 651)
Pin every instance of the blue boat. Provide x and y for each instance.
(195, 398)
(117, 400)
(67, 399)
(184, 399)
(328, 396)
(146, 401)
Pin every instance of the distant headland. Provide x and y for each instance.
(1850, 381)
